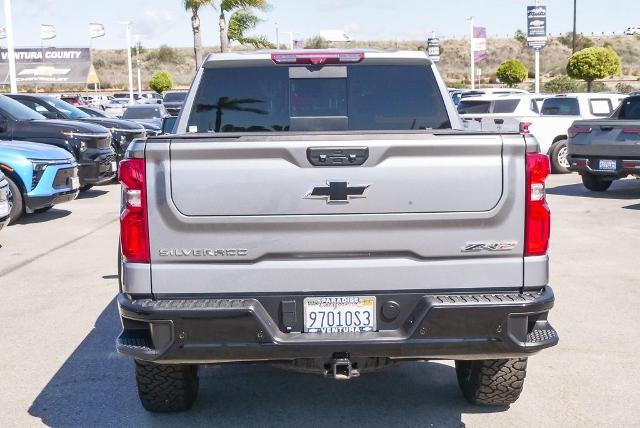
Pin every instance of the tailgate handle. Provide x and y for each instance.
(498, 121)
(337, 156)
(606, 128)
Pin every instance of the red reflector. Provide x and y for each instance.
(575, 130)
(631, 130)
(524, 128)
(134, 231)
(537, 214)
(317, 57)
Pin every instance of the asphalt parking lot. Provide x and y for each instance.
(59, 321)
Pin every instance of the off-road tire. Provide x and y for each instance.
(556, 166)
(595, 183)
(165, 388)
(17, 208)
(491, 382)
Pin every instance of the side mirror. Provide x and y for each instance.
(50, 114)
(168, 124)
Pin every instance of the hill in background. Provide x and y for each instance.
(111, 65)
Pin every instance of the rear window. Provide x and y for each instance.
(560, 107)
(505, 106)
(143, 113)
(175, 96)
(357, 97)
(630, 109)
(600, 107)
(474, 107)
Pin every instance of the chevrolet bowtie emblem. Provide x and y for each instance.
(338, 192)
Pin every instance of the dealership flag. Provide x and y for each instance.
(3, 33)
(47, 32)
(96, 30)
(479, 44)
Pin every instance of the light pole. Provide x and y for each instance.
(472, 61)
(137, 36)
(10, 51)
(130, 67)
(536, 56)
(277, 37)
(573, 41)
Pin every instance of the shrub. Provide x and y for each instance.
(582, 42)
(624, 88)
(520, 36)
(316, 42)
(593, 63)
(561, 84)
(161, 81)
(512, 72)
(166, 55)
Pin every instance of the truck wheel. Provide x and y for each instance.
(491, 382)
(166, 388)
(18, 204)
(595, 183)
(559, 161)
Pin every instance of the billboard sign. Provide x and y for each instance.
(433, 49)
(47, 65)
(536, 26)
(479, 44)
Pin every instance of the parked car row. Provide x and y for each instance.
(546, 117)
(51, 150)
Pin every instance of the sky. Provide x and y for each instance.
(166, 22)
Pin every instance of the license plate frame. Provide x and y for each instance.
(339, 314)
(607, 164)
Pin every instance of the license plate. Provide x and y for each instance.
(114, 166)
(343, 314)
(607, 164)
(74, 182)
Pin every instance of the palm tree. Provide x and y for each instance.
(233, 7)
(194, 6)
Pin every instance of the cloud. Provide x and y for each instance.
(154, 22)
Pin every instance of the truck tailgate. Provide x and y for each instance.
(607, 137)
(252, 214)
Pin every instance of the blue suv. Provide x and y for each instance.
(39, 176)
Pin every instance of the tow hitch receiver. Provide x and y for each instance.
(342, 369)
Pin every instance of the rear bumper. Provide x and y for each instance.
(428, 326)
(589, 165)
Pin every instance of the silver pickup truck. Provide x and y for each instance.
(325, 211)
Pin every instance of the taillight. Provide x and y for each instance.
(317, 57)
(537, 214)
(134, 233)
(524, 128)
(575, 130)
(631, 131)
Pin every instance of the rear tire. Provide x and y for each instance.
(595, 183)
(165, 388)
(18, 202)
(559, 160)
(491, 382)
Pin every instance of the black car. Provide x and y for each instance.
(152, 130)
(150, 114)
(173, 101)
(88, 142)
(122, 131)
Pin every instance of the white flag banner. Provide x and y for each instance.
(47, 32)
(96, 30)
(3, 33)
